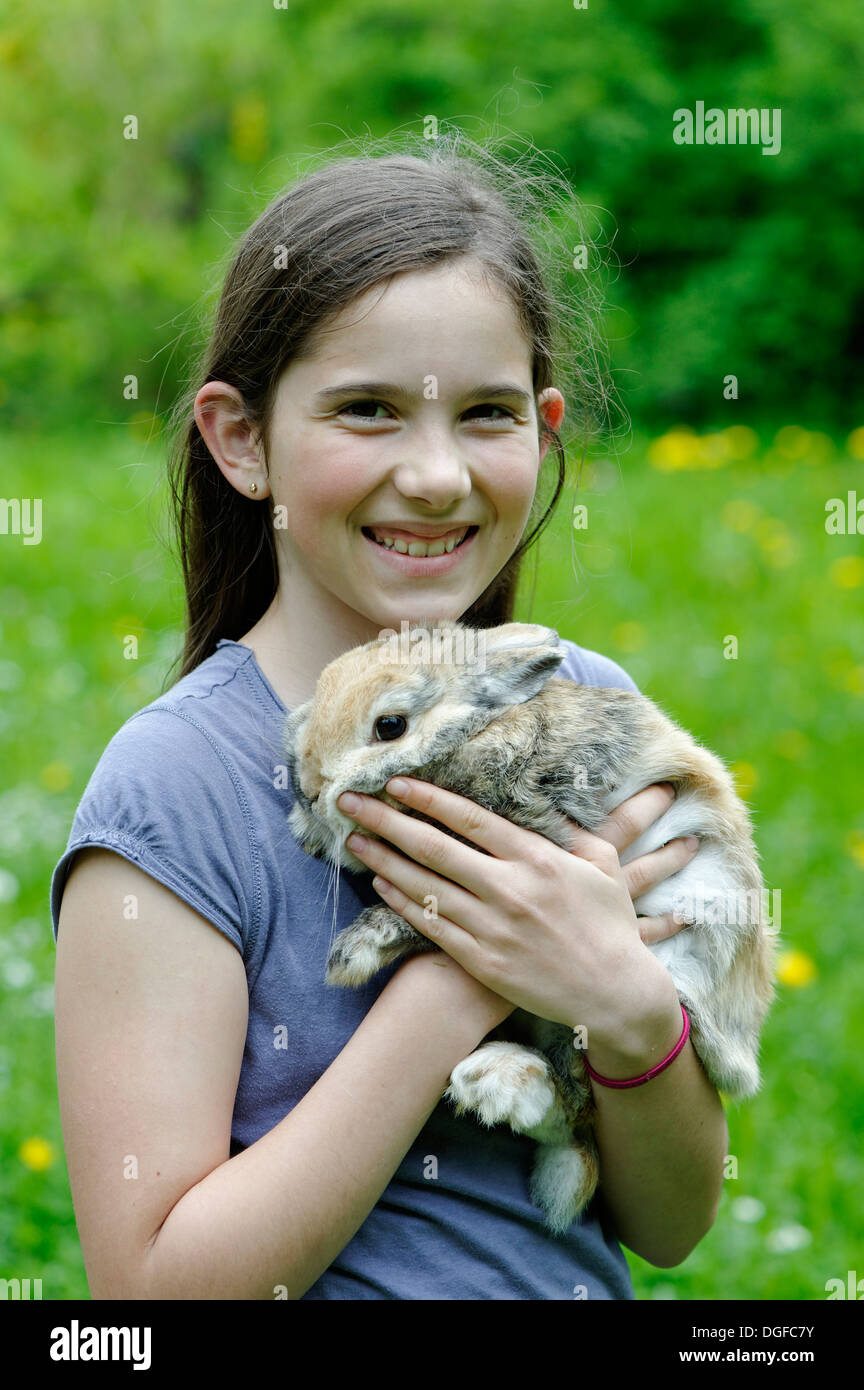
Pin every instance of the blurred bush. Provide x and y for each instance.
(732, 262)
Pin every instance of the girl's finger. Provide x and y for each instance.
(426, 844)
(596, 850)
(412, 882)
(650, 869)
(653, 929)
(498, 836)
(632, 818)
(429, 922)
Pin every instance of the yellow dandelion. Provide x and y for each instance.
(780, 552)
(779, 548)
(792, 442)
(837, 665)
(11, 48)
(740, 514)
(855, 443)
(249, 129)
(855, 846)
(792, 744)
(629, 637)
(37, 1154)
(770, 530)
(820, 448)
(847, 572)
(746, 777)
(713, 451)
(677, 449)
(742, 441)
(796, 968)
(55, 777)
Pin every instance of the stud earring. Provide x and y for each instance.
(253, 487)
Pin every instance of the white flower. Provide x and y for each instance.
(748, 1209)
(786, 1238)
(8, 886)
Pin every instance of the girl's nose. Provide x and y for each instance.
(435, 474)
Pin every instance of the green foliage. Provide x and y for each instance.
(732, 262)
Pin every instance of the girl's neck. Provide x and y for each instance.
(294, 640)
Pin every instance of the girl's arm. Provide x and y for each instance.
(662, 1145)
(151, 1020)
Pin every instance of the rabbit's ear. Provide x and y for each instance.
(517, 660)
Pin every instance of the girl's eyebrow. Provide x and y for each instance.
(389, 388)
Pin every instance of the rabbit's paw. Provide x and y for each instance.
(374, 939)
(504, 1083)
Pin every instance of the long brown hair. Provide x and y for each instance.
(401, 204)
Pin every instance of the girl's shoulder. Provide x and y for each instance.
(186, 789)
(591, 668)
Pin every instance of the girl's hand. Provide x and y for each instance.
(625, 824)
(553, 932)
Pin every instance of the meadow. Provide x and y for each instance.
(703, 565)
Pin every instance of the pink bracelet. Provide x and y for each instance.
(661, 1066)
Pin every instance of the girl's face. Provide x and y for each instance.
(409, 420)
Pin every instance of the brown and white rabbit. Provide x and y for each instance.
(541, 751)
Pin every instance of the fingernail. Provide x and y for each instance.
(397, 786)
(667, 787)
(691, 841)
(356, 841)
(349, 801)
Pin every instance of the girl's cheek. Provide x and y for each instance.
(329, 488)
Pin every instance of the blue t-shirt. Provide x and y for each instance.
(192, 789)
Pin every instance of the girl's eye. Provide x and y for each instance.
(486, 408)
(358, 406)
(365, 410)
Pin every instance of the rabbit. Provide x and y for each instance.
(542, 751)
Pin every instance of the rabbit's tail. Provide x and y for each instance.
(564, 1181)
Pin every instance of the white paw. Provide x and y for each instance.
(364, 948)
(503, 1083)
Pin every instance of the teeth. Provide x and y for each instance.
(440, 546)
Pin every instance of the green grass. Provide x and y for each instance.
(672, 564)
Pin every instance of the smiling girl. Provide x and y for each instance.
(363, 445)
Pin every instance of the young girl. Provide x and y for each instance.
(381, 370)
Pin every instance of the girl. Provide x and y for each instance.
(381, 370)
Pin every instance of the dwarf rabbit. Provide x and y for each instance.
(499, 728)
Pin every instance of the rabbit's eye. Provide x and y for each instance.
(390, 726)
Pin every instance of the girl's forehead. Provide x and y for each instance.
(446, 284)
(452, 308)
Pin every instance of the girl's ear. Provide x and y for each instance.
(515, 662)
(550, 403)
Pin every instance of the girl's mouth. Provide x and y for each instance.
(396, 551)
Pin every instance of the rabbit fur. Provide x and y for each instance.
(541, 751)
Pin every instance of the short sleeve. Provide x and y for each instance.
(164, 796)
(591, 668)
